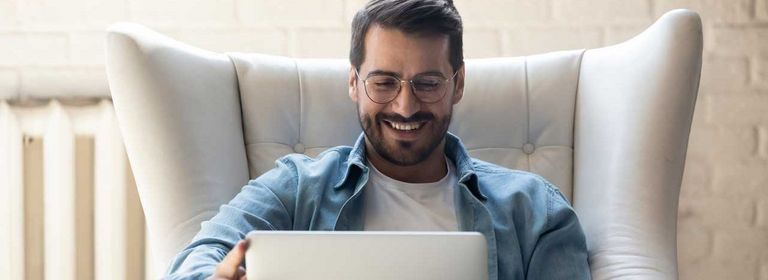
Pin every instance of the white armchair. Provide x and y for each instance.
(608, 126)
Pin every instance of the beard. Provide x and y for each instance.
(405, 153)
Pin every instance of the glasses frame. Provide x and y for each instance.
(400, 87)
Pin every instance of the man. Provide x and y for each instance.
(405, 171)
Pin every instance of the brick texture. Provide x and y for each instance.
(328, 13)
(71, 14)
(762, 142)
(721, 143)
(717, 11)
(480, 43)
(697, 175)
(52, 49)
(497, 13)
(183, 13)
(707, 213)
(747, 109)
(762, 14)
(7, 14)
(321, 43)
(613, 11)
(764, 270)
(697, 244)
(724, 75)
(733, 181)
(52, 82)
(762, 213)
(87, 48)
(535, 40)
(33, 48)
(736, 246)
(760, 76)
(739, 40)
(351, 7)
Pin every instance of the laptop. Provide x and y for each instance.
(355, 255)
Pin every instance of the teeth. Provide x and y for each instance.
(405, 126)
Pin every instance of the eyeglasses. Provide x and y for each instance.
(383, 89)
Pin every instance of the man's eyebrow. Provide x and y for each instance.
(383, 72)
(391, 73)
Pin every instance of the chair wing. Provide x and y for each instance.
(633, 118)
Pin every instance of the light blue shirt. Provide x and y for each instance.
(531, 229)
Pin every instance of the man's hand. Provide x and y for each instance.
(230, 267)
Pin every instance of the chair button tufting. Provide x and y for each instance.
(528, 148)
(298, 148)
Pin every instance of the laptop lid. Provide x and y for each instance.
(354, 255)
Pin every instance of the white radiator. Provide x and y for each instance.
(55, 222)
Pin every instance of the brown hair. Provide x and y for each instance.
(421, 17)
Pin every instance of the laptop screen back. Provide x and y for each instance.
(350, 255)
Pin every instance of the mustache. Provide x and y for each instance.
(417, 117)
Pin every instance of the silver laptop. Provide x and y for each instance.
(350, 255)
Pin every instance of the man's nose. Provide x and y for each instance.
(406, 104)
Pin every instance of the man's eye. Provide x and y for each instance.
(384, 84)
(426, 84)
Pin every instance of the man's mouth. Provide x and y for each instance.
(405, 126)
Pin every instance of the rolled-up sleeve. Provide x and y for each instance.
(266, 203)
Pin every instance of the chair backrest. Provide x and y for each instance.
(608, 126)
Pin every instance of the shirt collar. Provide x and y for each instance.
(454, 150)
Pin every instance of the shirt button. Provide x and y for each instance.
(298, 148)
(528, 148)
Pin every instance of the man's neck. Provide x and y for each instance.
(429, 170)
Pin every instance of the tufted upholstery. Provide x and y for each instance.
(608, 126)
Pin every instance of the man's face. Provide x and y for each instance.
(406, 130)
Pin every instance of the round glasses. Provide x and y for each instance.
(383, 89)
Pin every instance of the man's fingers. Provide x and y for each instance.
(241, 273)
(230, 267)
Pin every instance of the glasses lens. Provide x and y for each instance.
(382, 88)
(429, 89)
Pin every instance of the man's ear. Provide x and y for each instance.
(352, 84)
(459, 91)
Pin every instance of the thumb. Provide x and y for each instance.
(228, 268)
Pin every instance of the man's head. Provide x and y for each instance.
(417, 17)
(420, 43)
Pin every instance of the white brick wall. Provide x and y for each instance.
(50, 48)
(483, 42)
(183, 13)
(7, 14)
(717, 11)
(321, 42)
(68, 15)
(38, 82)
(33, 48)
(87, 48)
(602, 11)
(537, 39)
(762, 13)
(500, 13)
(327, 13)
(760, 76)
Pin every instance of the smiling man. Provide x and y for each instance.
(406, 172)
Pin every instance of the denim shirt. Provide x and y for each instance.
(531, 229)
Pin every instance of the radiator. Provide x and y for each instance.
(68, 203)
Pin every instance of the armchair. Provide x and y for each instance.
(608, 126)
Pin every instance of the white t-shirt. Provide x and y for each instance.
(392, 205)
